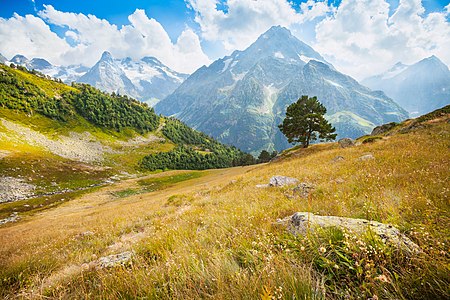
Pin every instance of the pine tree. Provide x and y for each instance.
(264, 156)
(305, 122)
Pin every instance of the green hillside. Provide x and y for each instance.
(59, 141)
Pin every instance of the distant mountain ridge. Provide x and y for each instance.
(147, 80)
(240, 99)
(419, 88)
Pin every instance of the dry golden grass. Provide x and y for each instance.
(217, 237)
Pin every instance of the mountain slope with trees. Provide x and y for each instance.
(57, 139)
(242, 98)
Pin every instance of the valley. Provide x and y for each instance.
(232, 149)
(214, 233)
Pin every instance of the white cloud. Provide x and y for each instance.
(314, 9)
(245, 20)
(362, 39)
(32, 37)
(359, 37)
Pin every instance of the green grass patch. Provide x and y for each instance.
(126, 193)
(156, 184)
(33, 205)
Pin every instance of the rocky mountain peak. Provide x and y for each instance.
(419, 88)
(3, 59)
(241, 99)
(19, 59)
(40, 63)
(152, 60)
(106, 56)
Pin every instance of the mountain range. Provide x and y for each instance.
(419, 88)
(147, 80)
(240, 99)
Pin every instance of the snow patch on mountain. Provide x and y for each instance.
(333, 83)
(278, 54)
(226, 64)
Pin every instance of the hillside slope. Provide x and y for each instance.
(217, 236)
(57, 141)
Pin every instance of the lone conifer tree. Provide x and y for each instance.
(305, 122)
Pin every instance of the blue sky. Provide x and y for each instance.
(221, 28)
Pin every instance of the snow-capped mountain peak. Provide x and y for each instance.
(420, 88)
(248, 91)
(19, 59)
(147, 79)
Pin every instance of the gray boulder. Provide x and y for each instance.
(14, 189)
(303, 189)
(301, 222)
(346, 143)
(337, 159)
(368, 156)
(280, 181)
(116, 260)
(14, 217)
(383, 128)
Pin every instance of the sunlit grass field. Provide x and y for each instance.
(216, 236)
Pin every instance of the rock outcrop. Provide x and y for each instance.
(280, 181)
(346, 143)
(13, 189)
(302, 222)
(116, 260)
(365, 157)
(303, 189)
(12, 218)
(383, 128)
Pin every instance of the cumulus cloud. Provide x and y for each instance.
(29, 36)
(244, 20)
(90, 36)
(362, 38)
(359, 37)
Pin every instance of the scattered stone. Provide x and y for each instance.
(262, 186)
(338, 159)
(81, 147)
(116, 260)
(303, 189)
(366, 157)
(4, 153)
(383, 128)
(412, 127)
(301, 222)
(14, 217)
(84, 234)
(13, 189)
(339, 180)
(280, 181)
(346, 143)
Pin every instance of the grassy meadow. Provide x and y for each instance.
(214, 234)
